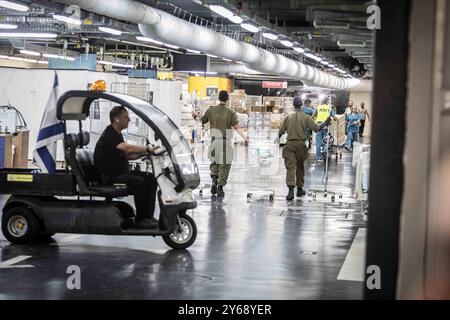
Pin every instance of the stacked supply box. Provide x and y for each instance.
(259, 125)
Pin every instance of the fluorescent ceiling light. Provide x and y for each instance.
(314, 57)
(236, 19)
(250, 27)
(8, 26)
(270, 36)
(27, 35)
(114, 64)
(171, 46)
(42, 62)
(22, 59)
(66, 58)
(13, 5)
(67, 19)
(193, 51)
(286, 43)
(212, 56)
(325, 63)
(30, 53)
(146, 39)
(49, 55)
(110, 31)
(227, 60)
(211, 72)
(3, 57)
(221, 10)
(299, 50)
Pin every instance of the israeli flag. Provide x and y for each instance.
(50, 132)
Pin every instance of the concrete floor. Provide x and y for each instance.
(245, 249)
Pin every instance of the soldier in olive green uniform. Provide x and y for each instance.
(222, 120)
(295, 151)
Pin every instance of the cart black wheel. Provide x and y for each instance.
(184, 235)
(20, 225)
(271, 198)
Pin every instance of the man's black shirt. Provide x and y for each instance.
(109, 160)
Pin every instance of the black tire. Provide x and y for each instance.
(185, 243)
(10, 225)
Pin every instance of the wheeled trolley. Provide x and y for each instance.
(262, 157)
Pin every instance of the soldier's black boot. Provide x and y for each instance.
(214, 185)
(301, 192)
(220, 192)
(290, 195)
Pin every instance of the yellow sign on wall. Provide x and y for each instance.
(207, 85)
(161, 75)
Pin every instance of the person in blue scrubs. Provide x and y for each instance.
(354, 120)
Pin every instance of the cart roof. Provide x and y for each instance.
(75, 105)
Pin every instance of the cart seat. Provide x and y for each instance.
(81, 162)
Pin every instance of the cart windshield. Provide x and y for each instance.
(148, 125)
(167, 135)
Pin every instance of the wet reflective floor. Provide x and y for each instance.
(245, 249)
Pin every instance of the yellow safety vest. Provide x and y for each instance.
(323, 112)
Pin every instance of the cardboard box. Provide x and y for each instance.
(20, 142)
(258, 109)
(239, 92)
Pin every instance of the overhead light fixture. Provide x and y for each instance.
(299, 50)
(30, 52)
(110, 31)
(14, 5)
(270, 36)
(325, 63)
(211, 72)
(171, 46)
(193, 51)
(236, 19)
(211, 56)
(221, 11)
(55, 56)
(27, 35)
(146, 39)
(66, 58)
(314, 57)
(318, 24)
(22, 59)
(356, 44)
(49, 55)
(3, 57)
(64, 17)
(249, 27)
(226, 60)
(115, 64)
(8, 26)
(286, 43)
(42, 62)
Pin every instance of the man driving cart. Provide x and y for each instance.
(111, 157)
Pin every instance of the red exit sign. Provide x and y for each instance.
(274, 85)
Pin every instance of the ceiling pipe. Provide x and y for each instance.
(159, 25)
(232, 68)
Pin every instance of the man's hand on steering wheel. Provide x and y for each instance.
(151, 150)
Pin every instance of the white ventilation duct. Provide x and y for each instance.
(232, 68)
(159, 25)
